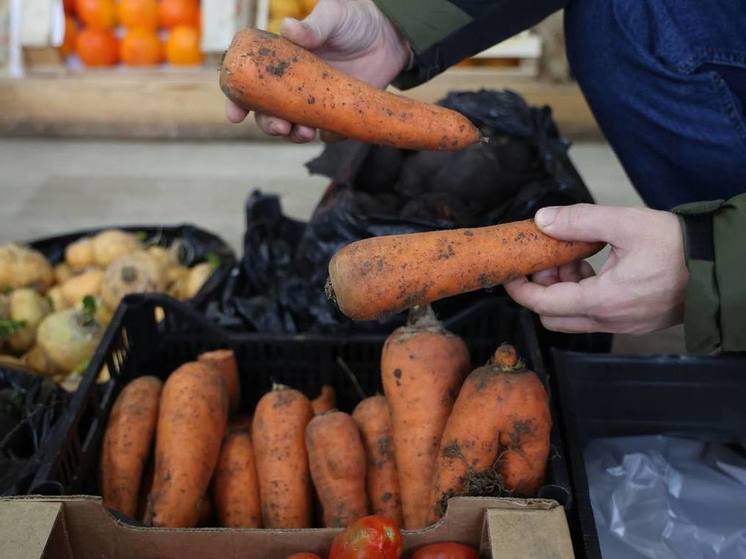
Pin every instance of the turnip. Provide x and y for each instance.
(112, 244)
(79, 254)
(135, 273)
(69, 338)
(77, 287)
(23, 267)
(26, 307)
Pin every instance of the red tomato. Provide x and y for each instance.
(446, 551)
(304, 555)
(371, 537)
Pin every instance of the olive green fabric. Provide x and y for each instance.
(715, 307)
(424, 22)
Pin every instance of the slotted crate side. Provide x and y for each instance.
(137, 344)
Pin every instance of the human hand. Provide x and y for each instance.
(351, 35)
(639, 289)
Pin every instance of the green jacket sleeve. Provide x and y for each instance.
(715, 244)
(445, 32)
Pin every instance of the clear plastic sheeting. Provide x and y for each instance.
(664, 498)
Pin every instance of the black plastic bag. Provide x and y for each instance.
(378, 190)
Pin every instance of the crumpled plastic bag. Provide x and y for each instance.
(379, 190)
(667, 498)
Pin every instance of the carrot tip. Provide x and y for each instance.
(506, 358)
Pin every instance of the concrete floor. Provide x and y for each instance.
(48, 186)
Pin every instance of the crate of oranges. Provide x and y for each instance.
(137, 33)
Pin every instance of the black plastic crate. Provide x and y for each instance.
(697, 397)
(30, 408)
(136, 343)
(201, 245)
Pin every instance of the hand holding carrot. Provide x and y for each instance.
(354, 37)
(640, 287)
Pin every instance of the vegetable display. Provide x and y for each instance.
(422, 368)
(264, 72)
(376, 277)
(44, 308)
(187, 453)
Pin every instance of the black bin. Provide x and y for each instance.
(138, 343)
(701, 398)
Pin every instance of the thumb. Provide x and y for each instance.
(312, 32)
(583, 222)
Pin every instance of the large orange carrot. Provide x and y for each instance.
(127, 443)
(422, 368)
(373, 417)
(337, 460)
(235, 485)
(191, 424)
(225, 361)
(278, 433)
(375, 277)
(325, 401)
(497, 437)
(267, 73)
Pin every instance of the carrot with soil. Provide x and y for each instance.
(373, 417)
(375, 277)
(497, 437)
(337, 462)
(325, 401)
(278, 434)
(224, 361)
(191, 424)
(235, 486)
(422, 368)
(266, 73)
(127, 443)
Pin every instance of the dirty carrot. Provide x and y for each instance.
(337, 461)
(373, 417)
(191, 424)
(375, 277)
(325, 401)
(224, 361)
(127, 443)
(278, 434)
(266, 73)
(497, 437)
(235, 485)
(422, 368)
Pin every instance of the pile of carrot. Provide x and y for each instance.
(176, 454)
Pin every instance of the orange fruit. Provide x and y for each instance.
(174, 13)
(141, 47)
(97, 14)
(71, 34)
(138, 14)
(97, 47)
(182, 47)
(69, 6)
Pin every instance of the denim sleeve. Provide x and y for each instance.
(445, 32)
(716, 293)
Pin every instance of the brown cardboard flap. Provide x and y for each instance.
(533, 527)
(528, 533)
(32, 530)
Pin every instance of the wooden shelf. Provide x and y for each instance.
(163, 104)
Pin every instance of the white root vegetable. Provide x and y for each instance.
(134, 273)
(24, 267)
(39, 361)
(57, 298)
(69, 338)
(191, 284)
(78, 287)
(63, 272)
(112, 244)
(29, 308)
(79, 254)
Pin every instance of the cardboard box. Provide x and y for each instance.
(81, 528)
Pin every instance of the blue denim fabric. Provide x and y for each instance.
(666, 80)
